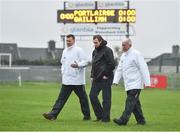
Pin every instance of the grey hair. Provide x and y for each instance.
(127, 40)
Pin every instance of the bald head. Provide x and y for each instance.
(126, 44)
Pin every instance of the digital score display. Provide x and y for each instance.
(97, 16)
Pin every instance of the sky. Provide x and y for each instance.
(32, 23)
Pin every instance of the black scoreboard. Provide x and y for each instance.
(97, 16)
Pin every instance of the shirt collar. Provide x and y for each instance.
(129, 51)
(69, 48)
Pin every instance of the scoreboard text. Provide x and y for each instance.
(97, 16)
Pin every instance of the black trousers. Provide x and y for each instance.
(64, 94)
(101, 111)
(133, 105)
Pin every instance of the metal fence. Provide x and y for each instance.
(53, 74)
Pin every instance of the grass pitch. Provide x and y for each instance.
(21, 109)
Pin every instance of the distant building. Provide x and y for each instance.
(10, 48)
(31, 54)
(167, 59)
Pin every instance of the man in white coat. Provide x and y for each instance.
(73, 66)
(133, 68)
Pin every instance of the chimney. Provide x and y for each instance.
(51, 45)
(175, 50)
(52, 48)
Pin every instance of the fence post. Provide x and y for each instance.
(160, 63)
(177, 65)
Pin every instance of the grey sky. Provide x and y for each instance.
(31, 23)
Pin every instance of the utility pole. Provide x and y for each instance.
(127, 25)
(63, 36)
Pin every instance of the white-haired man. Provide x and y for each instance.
(133, 68)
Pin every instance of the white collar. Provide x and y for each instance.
(68, 48)
(129, 51)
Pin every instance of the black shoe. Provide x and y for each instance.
(97, 119)
(105, 120)
(49, 117)
(86, 118)
(141, 123)
(119, 122)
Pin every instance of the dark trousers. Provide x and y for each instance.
(101, 111)
(133, 105)
(64, 95)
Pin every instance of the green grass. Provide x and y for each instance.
(21, 108)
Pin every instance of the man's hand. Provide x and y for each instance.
(75, 65)
(104, 77)
(115, 84)
(91, 80)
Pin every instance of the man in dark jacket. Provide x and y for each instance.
(102, 75)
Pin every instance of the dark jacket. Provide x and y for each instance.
(103, 62)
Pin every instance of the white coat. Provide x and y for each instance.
(134, 70)
(73, 76)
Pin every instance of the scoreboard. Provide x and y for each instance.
(97, 16)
